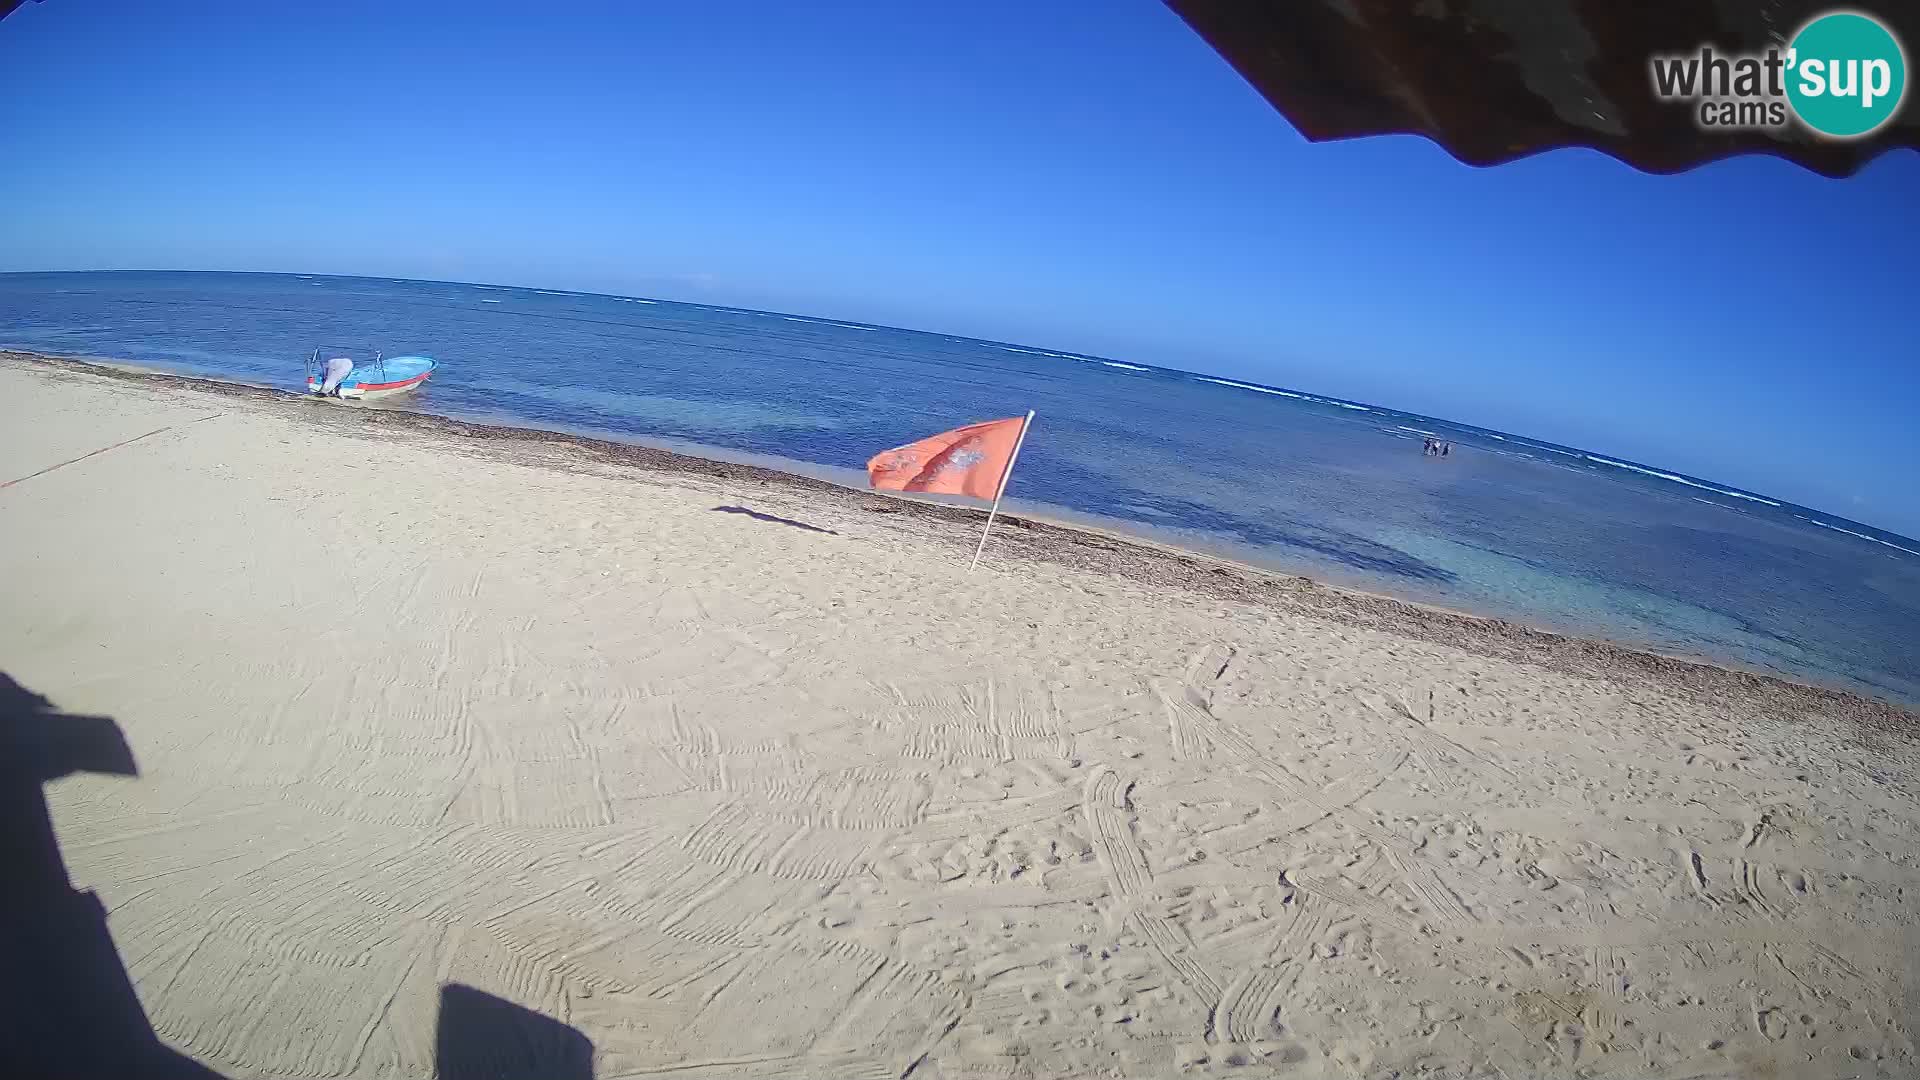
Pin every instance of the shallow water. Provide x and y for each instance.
(1505, 526)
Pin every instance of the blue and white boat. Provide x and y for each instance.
(337, 373)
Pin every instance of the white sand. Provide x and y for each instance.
(735, 798)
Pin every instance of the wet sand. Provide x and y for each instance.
(741, 774)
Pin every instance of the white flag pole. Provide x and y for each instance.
(1002, 490)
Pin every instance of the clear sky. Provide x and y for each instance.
(1086, 176)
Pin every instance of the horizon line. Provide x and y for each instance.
(1539, 443)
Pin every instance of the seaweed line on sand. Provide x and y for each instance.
(1753, 696)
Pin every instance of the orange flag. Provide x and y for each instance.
(965, 461)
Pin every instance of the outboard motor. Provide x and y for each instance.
(334, 372)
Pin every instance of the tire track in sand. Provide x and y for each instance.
(1255, 998)
(1236, 1008)
(776, 1067)
(1105, 807)
(1194, 701)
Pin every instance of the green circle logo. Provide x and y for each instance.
(1846, 75)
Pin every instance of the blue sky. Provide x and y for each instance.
(1086, 175)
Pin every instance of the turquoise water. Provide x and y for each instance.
(1339, 490)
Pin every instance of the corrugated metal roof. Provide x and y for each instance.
(1493, 80)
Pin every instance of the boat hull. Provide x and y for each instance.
(374, 391)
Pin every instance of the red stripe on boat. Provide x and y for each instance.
(420, 378)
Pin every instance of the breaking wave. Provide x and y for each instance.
(1863, 536)
(1257, 389)
(1679, 479)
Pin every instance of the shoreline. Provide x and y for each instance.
(385, 705)
(1085, 548)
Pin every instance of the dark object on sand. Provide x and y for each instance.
(67, 1004)
(1493, 82)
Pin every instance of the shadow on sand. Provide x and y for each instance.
(67, 1006)
(772, 518)
(481, 1037)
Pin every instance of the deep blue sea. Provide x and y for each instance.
(1339, 490)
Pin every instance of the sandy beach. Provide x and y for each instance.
(653, 766)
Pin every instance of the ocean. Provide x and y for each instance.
(1545, 534)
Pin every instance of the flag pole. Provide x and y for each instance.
(1001, 490)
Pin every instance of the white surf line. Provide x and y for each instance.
(1863, 536)
(1057, 355)
(1121, 366)
(1682, 480)
(1283, 393)
(1256, 389)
